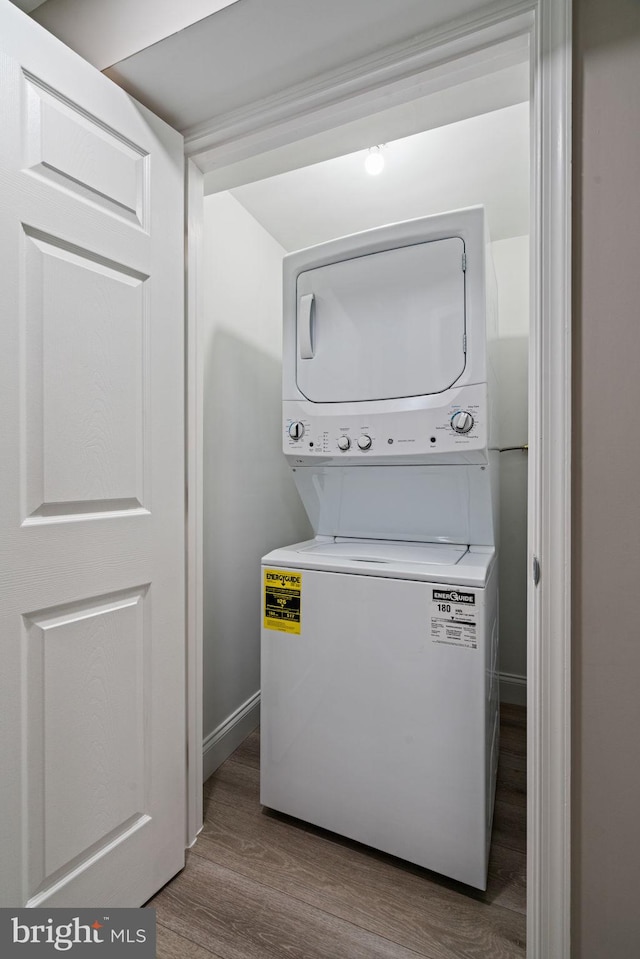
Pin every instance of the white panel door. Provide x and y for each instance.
(382, 326)
(92, 741)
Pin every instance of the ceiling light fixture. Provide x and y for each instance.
(374, 162)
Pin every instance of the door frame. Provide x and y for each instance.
(402, 72)
(194, 491)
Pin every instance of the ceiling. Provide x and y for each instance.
(255, 49)
(107, 31)
(28, 5)
(480, 160)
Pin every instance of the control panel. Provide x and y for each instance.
(341, 431)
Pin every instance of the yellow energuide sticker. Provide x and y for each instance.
(282, 594)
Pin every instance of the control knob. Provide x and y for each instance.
(462, 421)
(344, 443)
(364, 442)
(296, 431)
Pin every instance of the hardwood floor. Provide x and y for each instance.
(260, 885)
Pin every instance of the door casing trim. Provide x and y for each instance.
(400, 73)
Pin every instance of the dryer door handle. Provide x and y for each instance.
(305, 321)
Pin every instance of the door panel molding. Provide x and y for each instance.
(70, 661)
(61, 135)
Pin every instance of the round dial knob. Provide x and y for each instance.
(296, 431)
(344, 442)
(462, 421)
(364, 442)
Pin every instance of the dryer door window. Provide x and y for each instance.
(383, 326)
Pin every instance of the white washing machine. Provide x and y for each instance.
(380, 721)
(380, 636)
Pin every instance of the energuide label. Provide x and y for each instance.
(454, 618)
(282, 597)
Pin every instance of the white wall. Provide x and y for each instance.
(250, 502)
(511, 260)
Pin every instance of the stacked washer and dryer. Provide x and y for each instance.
(380, 635)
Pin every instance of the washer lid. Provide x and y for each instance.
(425, 562)
(387, 551)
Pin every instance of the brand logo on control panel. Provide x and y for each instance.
(454, 596)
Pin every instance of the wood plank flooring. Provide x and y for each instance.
(260, 885)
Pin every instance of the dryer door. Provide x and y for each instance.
(382, 326)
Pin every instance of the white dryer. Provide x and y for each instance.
(380, 636)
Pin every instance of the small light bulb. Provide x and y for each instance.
(374, 163)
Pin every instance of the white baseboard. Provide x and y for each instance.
(513, 689)
(226, 737)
